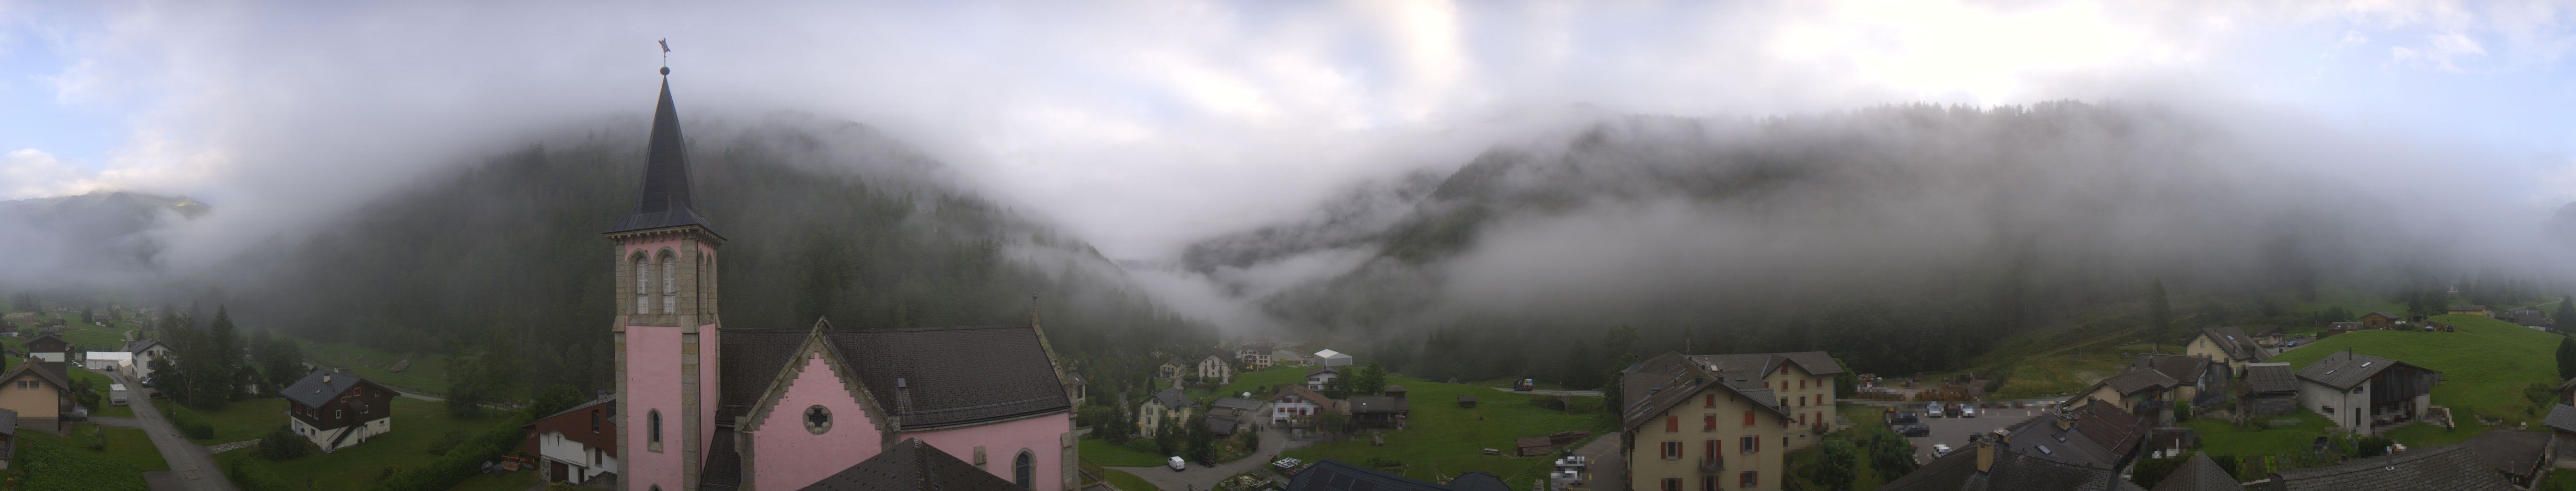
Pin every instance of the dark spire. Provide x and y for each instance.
(665, 202)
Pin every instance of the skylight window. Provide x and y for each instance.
(2365, 364)
(2043, 449)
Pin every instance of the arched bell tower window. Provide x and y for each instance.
(653, 425)
(643, 285)
(670, 283)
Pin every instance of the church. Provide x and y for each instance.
(705, 407)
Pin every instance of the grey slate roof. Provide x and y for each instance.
(665, 202)
(2516, 453)
(913, 466)
(2181, 368)
(1172, 399)
(1237, 403)
(2271, 377)
(137, 346)
(2011, 472)
(954, 375)
(576, 408)
(1662, 390)
(2139, 381)
(723, 468)
(2562, 418)
(2345, 369)
(1813, 362)
(49, 371)
(2099, 435)
(2199, 474)
(2234, 342)
(2450, 468)
(313, 391)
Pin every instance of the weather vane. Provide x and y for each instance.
(666, 55)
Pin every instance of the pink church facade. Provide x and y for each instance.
(703, 407)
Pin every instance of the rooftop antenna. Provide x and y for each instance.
(666, 56)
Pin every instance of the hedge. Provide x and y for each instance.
(252, 475)
(462, 462)
(51, 468)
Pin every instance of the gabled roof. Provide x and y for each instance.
(2233, 341)
(2199, 474)
(2271, 377)
(2011, 472)
(928, 377)
(2101, 435)
(1171, 398)
(574, 409)
(2450, 468)
(2133, 382)
(2392, 317)
(912, 466)
(2512, 452)
(1813, 362)
(137, 346)
(2562, 418)
(665, 202)
(1323, 370)
(1691, 380)
(31, 343)
(319, 386)
(2182, 369)
(2345, 369)
(1331, 354)
(1236, 403)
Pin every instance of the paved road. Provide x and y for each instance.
(192, 468)
(1608, 468)
(1273, 441)
(1591, 393)
(1955, 431)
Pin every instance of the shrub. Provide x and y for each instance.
(1145, 445)
(251, 475)
(1551, 403)
(461, 462)
(190, 425)
(283, 444)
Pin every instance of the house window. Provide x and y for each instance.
(1672, 450)
(643, 285)
(1709, 422)
(1749, 480)
(1024, 470)
(337, 414)
(594, 421)
(1672, 484)
(1707, 483)
(1711, 400)
(818, 419)
(1750, 445)
(653, 426)
(670, 284)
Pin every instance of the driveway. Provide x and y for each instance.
(1273, 441)
(1609, 469)
(192, 468)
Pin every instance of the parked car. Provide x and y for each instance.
(1940, 449)
(1914, 430)
(1968, 412)
(1177, 464)
(1903, 418)
(1932, 410)
(1953, 410)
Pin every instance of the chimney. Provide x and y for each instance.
(326, 377)
(1985, 443)
(902, 396)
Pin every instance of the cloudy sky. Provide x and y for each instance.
(1143, 125)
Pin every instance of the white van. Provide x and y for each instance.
(116, 394)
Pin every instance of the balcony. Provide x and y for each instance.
(1712, 466)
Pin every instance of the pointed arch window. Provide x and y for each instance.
(643, 285)
(653, 425)
(670, 284)
(1024, 470)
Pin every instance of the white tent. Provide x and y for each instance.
(1332, 358)
(106, 360)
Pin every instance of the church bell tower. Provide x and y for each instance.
(666, 330)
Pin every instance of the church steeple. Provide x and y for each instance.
(665, 202)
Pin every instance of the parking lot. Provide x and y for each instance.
(1954, 431)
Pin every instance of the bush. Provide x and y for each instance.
(1551, 403)
(251, 475)
(189, 424)
(48, 467)
(461, 462)
(446, 442)
(284, 444)
(2152, 471)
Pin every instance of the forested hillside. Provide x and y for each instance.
(822, 219)
(1904, 238)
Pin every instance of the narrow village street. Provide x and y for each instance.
(192, 466)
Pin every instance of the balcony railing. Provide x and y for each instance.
(1712, 466)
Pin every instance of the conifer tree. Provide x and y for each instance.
(2159, 314)
(2566, 358)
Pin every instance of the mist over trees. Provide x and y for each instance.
(504, 261)
(1902, 238)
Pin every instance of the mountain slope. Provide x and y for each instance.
(87, 241)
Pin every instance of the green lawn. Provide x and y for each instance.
(2558, 480)
(129, 445)
(2217, 437)
(1442, 439)
(2484, 365)
(427, 374)
(1127, 482)
(251, 419)
(1115, 455)
(92, 337)
(417, 423)
(516, 481)
(1250, 381)
(101, 381)
(2425, 435)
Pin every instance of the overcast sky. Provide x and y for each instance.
(1144, 125)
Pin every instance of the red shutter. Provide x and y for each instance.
(1712, 400)
(1750, 480)
(1748, 418)
(1672, 424)
(1712, 451)
(1711, 421)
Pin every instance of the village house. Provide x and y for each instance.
(39, 393)
(1297, 406)
(2363, 393)
(2380, 320)
(1285, 357)
(1215, 369)
(1683, 426)
(577, 444)
(336, 410)
(703, 406)
(2522, 457)
(1378, 412)
(2562, 431)
(49, 348)
(1165, 409)
(1230, 416)
(1802, 381)
(1172, 369)
(1255, 355)
(145, 351)
(2271, 389)
(2153, 384)
(2449, 468)
(2271, 338)
(1329, 358)
(2531, 318)
(2470, 310)
(2227, 345)
(1322, 378)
